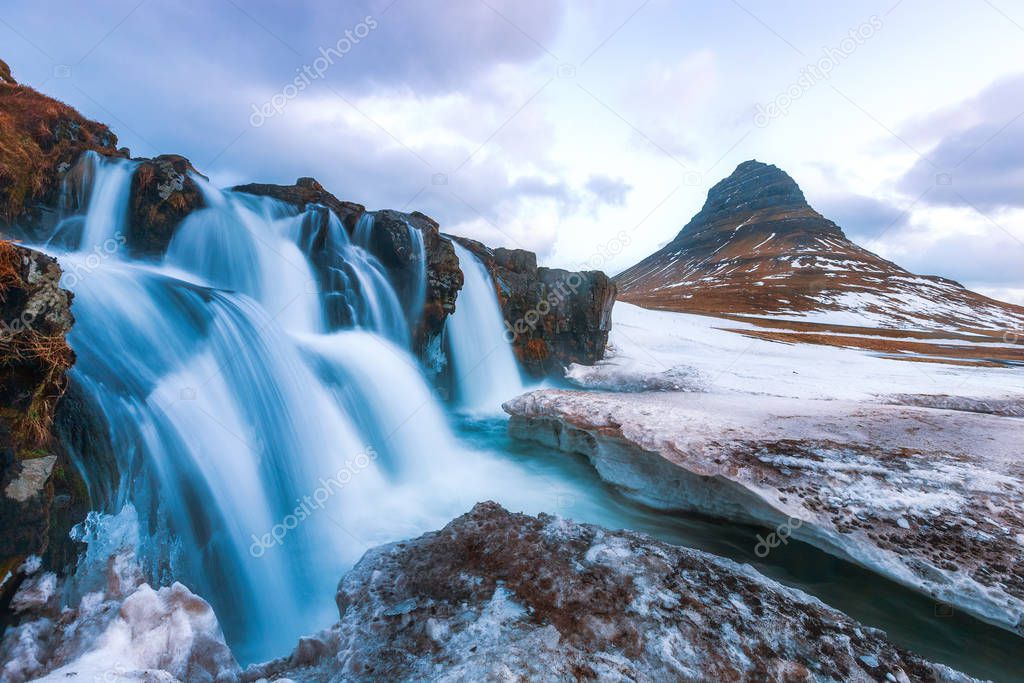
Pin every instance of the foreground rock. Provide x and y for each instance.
(41, 494)
(933, 499)
(501, 596)
(553, 317)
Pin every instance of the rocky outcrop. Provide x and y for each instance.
(501, 596)
(163, 193)
(758, 247)
(553, 317)
(5, 74)
(931, 499)
(304, 192)
(391, 242)
(41, 494)
(40, 138)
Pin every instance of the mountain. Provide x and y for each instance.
(758, 247)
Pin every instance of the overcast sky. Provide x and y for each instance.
(560, 126)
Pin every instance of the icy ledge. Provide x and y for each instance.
(933, 499)
(125, 631)
(501, 596)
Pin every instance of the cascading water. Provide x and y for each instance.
(262, 449)
(483, 364)
(416, 293)
(102, 185)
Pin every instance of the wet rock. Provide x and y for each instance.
(306, 191)
(553, 317)
(162, 194)
(502, 596)
(35, 317)
(392, 243)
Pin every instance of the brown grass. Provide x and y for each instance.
(37, 134)
(10, 267)
(48, 355)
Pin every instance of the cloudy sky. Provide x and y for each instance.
(586, 130)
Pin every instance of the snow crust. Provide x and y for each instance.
(650, 344)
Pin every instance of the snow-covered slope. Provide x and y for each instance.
(670, 351)
(758, 247)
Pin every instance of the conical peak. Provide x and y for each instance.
(754, 185)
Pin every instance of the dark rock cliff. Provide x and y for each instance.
(41, 494)
(553, 317)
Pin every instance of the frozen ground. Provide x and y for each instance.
(121, 630)
(680, 351)
(910, 470)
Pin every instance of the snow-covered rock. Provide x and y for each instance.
(501, 596)
(933, 499)
(127, 631)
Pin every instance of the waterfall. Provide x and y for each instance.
(249, 244)
(354, 285)
(267, 419)
(101, 187)
(247, 439)
(415, 293)
(485, 369)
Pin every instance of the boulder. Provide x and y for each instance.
(502, 596)
(41, 494)
(553, 317)
(163, 192)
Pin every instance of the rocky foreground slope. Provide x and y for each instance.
(492, 596)
(41, 494)
(501, 596)
(757, 247)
